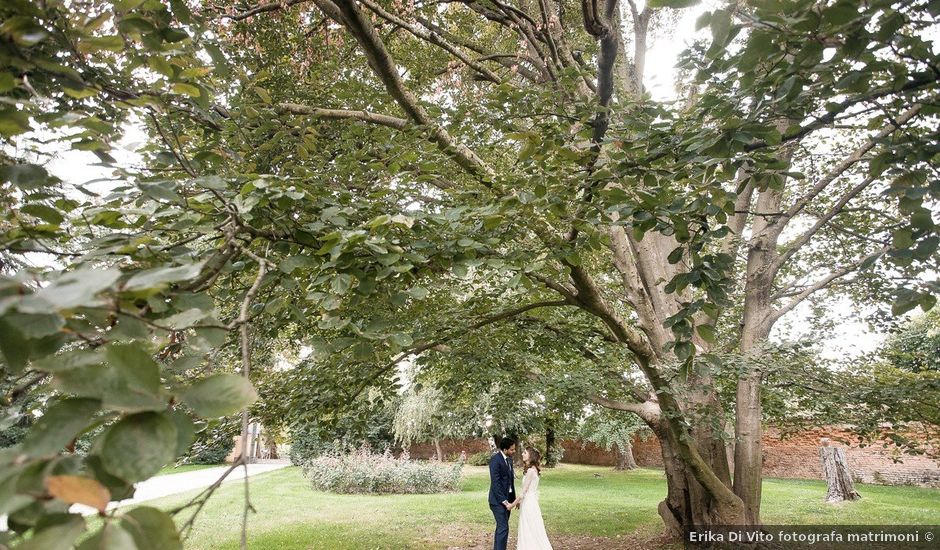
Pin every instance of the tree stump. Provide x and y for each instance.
(838, 477)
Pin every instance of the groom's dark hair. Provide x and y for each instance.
(506, 443)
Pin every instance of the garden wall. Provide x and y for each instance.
(791, 456)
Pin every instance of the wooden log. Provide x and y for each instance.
(838, 477)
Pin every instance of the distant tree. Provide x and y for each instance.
(421, 415)
(615, 430)
(916, 346)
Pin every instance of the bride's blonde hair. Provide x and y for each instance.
(534, 458)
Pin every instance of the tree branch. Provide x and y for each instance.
(360, 26)
(415, 350)
(848, 162)
(340, 114)
(830, 117)
(432, 38)
(262, 8)
(648, 411)
(822, 283)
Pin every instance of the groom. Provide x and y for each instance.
(502, 490)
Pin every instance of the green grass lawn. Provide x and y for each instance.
(186, 468)
(575, 502)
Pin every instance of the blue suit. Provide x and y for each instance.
(502, 488)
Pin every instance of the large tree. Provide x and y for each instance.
(385, 181)
(796, 163)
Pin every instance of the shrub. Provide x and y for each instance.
(363, 471)
(481, 458)
(214, 443)
(312, 440)
(306, 443)
(12, 435)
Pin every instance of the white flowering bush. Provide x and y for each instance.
(364, 471)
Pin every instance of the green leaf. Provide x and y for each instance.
(13, 122)
(363, 350)
(184, 319)
(341, 283)
(219, 395)
(35, 326)
(138, 446)
(77, 288)
(69, 360)
(110, 537)
(44, 213)
(720, 24)
(132, 383)
(902, 238)
(402, 339)
(59, 425)
(418, 292)
(25, 176)
(156, 278)
(112, 43)
(675, 255)
(160, 64)
(7, 82)
(13, 345)
(263, 94)
(684, 350)
(152, 529)
(185, 431)
(57, 536)
(186, 89)
(161, 190)
(707, 332)
(80, 93)
(296, 262)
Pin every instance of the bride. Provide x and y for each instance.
(531, 527)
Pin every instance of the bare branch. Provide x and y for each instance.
(836, 209)
(848, 162)
(826, 281)
(246, 344)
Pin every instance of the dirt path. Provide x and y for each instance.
(462, 538)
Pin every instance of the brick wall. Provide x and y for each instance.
(786, 456)
(797, 456)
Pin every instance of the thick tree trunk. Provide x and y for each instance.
(437, 450)
(838, 477)
(687, 502)
(550, 460)
(625, 459)
(748, 447)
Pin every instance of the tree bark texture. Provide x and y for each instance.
(625, 459)
(838, 476)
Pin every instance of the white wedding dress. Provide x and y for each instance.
(532, 534)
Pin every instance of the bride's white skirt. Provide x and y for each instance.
(532, 534)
